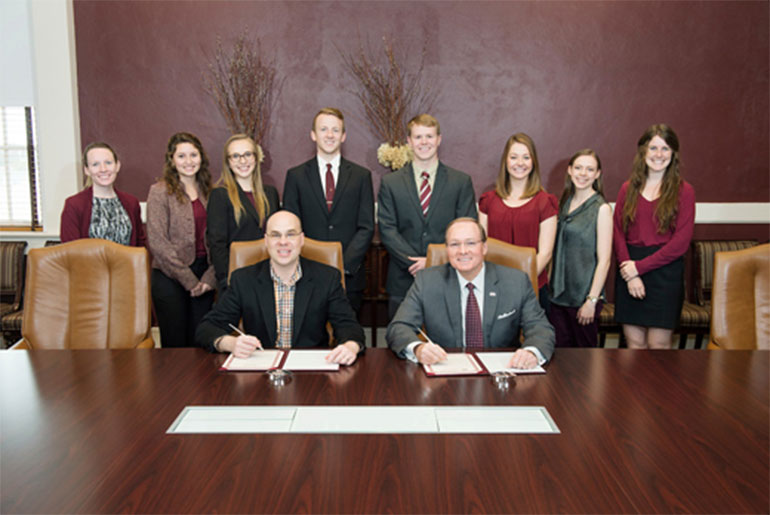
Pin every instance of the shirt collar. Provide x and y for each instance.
(432, 170)
(478, 281)
(334, 162)
(296, 276)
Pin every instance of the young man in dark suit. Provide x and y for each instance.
(309, 294)
(333, 198)
(415, 205)
(469, 303)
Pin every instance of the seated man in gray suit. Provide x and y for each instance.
(309, 294)
(470, 303)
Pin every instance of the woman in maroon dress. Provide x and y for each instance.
(653, 224)
(519, 210)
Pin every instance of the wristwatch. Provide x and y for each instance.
(594, 300)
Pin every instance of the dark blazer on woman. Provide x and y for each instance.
(171, 236)
(76, 217)
(221, 229)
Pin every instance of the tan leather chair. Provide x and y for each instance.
(245, 253)
(740, 299)
(498, 252)
(87, 294)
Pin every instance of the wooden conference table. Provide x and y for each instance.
(676, 431)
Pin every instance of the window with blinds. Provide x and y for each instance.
(18, 169)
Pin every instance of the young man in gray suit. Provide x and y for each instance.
(472, 304)
(333, 198)
(415, 205)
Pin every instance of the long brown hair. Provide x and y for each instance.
(171, 174)
(503, 183)
(229, 182)
(569, 186)
(668, 203)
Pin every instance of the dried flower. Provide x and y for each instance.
(244, 86)
(390, 95)
(394, 156)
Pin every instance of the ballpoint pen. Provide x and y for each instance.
(236, 329)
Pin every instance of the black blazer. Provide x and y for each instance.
(319, 298)
(405, 231)
(221, 229)
(351, 219)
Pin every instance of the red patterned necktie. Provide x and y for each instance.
(425, 193)
(474, 336)
(329, 186)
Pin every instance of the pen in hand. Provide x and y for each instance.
(237, 330)
(435, 354)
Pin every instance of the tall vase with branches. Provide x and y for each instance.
(244, 84)
(391, 90)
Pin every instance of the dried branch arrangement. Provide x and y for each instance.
(244, 86)
(390, 94)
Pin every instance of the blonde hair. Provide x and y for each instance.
(231, 185)
(89, 148)
(503, 183)
(332, 111)
(424, 120)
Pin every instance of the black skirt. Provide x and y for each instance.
(664, 294)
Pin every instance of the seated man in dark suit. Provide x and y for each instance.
(309, 294)
(442, 299)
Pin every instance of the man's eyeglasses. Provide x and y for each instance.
(291, 235)
(457, 245)
(246, 156)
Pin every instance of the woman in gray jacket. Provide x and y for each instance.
(183, 279)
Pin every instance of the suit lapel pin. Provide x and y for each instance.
(492, 294)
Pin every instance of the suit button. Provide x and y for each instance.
(331, 227)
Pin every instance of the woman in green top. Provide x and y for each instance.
(581, 257)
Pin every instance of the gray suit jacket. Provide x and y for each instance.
(509, 304)
(405, 231)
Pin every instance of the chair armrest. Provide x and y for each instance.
(147, 343)
(21, 345)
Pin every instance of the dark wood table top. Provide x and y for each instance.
(641, 431)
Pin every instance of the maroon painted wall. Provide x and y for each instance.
(571, 74)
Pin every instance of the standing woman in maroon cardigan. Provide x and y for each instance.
(182, 275)
(653, 224)
(240, 205)
(101, 211)
(519, 210)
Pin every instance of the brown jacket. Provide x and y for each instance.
(171, 237)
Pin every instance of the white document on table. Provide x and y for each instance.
(364, 419)
(455, 364)
(234, 419)
(490, 420)
(259, 360)
(498, 362)
(309, 360)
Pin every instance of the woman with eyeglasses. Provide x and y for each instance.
(653, 225)
(101, 211)
(519, 210)
(182, 276)
(240, 205)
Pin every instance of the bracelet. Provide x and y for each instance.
(631, 278)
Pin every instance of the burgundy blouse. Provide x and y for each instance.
(519, 225)
(643, 231)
